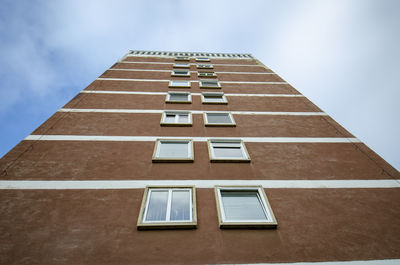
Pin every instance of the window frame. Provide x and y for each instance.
(213, 158)
(172, 85)
(271, 221)
(204, 100)
(208, 124)
(218, 85)
(204, 66)
(179, 124)
(168, 97)
(156, 157)
(191, 224)
(202, 59)
(206, 74)
(174, 73)
(182, 58)
(182, 65)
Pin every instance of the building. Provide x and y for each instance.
(195, 158)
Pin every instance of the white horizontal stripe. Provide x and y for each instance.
(139, 184)
(160, 80)
(38, 137)
(193, 94)
(352, 262)
(214, 64)
(196, 112)
(161, 70)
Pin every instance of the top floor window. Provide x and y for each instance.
(202, 59)
(182, 58)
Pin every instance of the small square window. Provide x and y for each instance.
(218, 119)
(205, 66)
(240, 207)
(227, 150)
(176, 118)
(202, 59)
(180, 73)
(168, 207)
(178, 97)
(209, 83)
(213, 98)
(206, 74)
(171, 150)
(181, 65)
(182, 58)
(179, 84)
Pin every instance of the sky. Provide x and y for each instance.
(342, 54)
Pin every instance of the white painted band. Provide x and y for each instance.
(39, 137)
(161, 80)
(139, 184)
(161, 70)
(214, 64)
(282, 113)
(193, 94)
(352, 262)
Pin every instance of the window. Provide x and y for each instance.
(178, 97)
(213, 98)
(171, 150)
(209, 83)
(168, 207)
(227, 150)
(179, 84)
(202, 59)
(218, 119)
(180, 73)
(205, 66)
(206, 74)
(181, 65)
(244, 207)
(176, 118)
(181, 58)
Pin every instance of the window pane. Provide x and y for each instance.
(173, 149)
(178, 97)
(214, 98)
(170, 118)
(218, 118)
(183, 118)
(180, 83)
(157, 207)
(234, 152)
(180, 208)
(242, 205)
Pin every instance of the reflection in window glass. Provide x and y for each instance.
(218, 118)
(172, 149)
(180, 206)
(242, 205)
(157, 208)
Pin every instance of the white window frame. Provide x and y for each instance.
(207, 123)
(157, 149)
(213, 158)
(182, 58)
(204, 66)
(168, 97)
(181, 65)
(202, 81)
(176, 123)
(175, 72)
(204, 100)
(206, 74)
(189, 224)
(271, 221)
(202, 59)
(173, 84)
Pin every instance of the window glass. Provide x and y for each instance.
(157, 207)
(218, 118)
(242, 205)
(183, 118)
(179, 83)
(179, 97)
(214, 98)
(171, 149)
(180, 205)
(228, 151)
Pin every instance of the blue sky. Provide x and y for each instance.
(342, 54)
